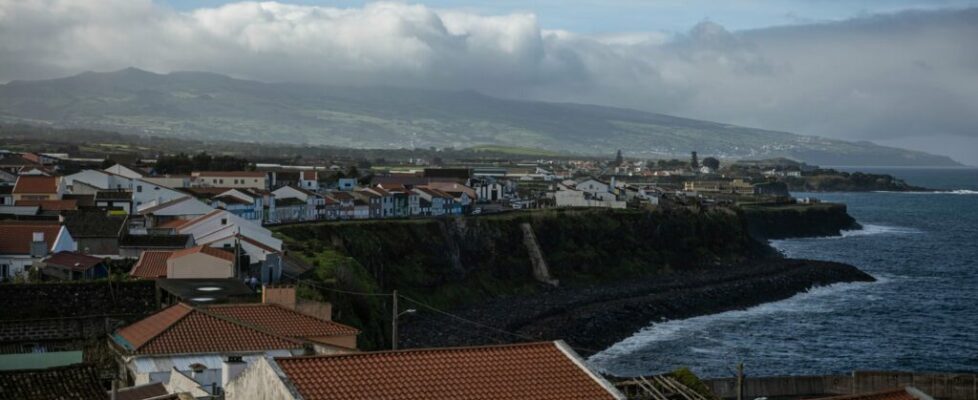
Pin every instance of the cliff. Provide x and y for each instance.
(797, 220)
(453, 262)
(583, 275)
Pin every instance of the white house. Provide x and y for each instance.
(24, 242)
(122, 170)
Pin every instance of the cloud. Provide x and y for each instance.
(889, 77)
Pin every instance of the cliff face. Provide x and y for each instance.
(787, 221)
(457, 261)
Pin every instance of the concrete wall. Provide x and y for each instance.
(260, 381)
(199, 265)
(945, 386)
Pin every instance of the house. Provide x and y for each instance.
(309, 180)
(373, 201)
(24, 242)
(345, 203)
(144, 193)
(179, 209)
(50, 207)
(133, 246)
(170, 181)
(95, 231)
(297, 204)
(441, 203)
(462, 194)
(570, 197)
(222, 229)
(231, 179)
(200, 262)
(222, 340)
(543, 370)
(38, 188)
(245, 203)
(73, 266)
(347, 184)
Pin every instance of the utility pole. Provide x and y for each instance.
(394, 322)
(740, 379)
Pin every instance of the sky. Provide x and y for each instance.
(897, 72)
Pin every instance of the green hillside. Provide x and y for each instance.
(205, 105)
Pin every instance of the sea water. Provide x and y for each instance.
(921, 314)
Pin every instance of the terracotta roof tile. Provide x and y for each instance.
(182, 329)
(142, 392)
(16, 236)
(282, 321)
(151, 265)
(73, 260)
(51, 205)
(520, 371)
(211, 251)
(79, 381)
(36, 184)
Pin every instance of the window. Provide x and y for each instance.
(4, 271)
(139, 189)
(224, 221)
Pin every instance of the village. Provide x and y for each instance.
(123, 283)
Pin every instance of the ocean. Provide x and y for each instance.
(921, 314)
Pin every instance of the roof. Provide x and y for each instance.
(36, 184)
(51, 205)
(93, 224)
(211, 251)
(289, 202)
(151, 265)
(239, 174)
(183, 329)
(155, 241)
(78, 381)
(142, 392)
(543, 370)
(73, 260)
(907, 393)
(173, 223)
(16, 236)
(282, 321)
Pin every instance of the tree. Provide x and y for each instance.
(712, 163)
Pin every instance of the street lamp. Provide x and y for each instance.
(394, 316)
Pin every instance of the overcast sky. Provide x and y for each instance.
(897, 72)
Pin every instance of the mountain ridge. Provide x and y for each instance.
(210, 105)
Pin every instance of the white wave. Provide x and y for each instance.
(952, 191)
(870, 229)
(820, 299)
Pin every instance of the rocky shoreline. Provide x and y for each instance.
(594, 317)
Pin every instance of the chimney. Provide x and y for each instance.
(233, 366)
(283, 295)
(39, 248)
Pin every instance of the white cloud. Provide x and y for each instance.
(880, 77)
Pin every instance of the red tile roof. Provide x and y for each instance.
(16, 236)
(36, 184)
(182, 329)
(520, 371)
(282, 321)
(142, 392)
(51, 205)
(211, 251)
(73, 260)
(151, 265)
